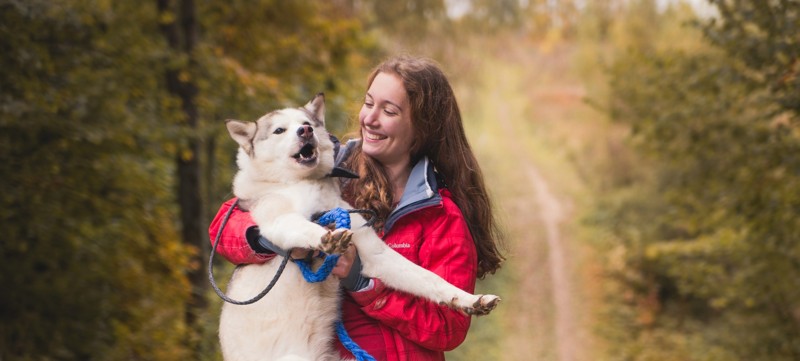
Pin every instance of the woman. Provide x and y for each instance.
(418, 173)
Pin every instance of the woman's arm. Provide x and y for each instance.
(233, 241)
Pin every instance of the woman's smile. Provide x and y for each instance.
(373, 136)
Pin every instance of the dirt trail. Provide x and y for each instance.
(525, 117)
(552, 215)
(546, 325)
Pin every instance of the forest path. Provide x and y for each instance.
(515, 121)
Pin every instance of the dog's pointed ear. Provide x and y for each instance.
(242, 132)
(317, 107)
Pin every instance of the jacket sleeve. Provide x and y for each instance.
(233, 244)
(448, 251)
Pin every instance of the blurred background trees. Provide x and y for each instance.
(90, 263)
(114, 157)
(708, 233)
(111, 115)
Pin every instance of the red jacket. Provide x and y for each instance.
(427, 228)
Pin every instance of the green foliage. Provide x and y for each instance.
(410, 20)
(90, 265)
(92, 262)
(708, 240)
(762, 36)
(492, 15)
(275, 53)
(256, 57)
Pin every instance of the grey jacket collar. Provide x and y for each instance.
(421, 191)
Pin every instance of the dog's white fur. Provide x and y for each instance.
(282, 191)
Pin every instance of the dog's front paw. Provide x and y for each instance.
(337, 241)
(480, 307)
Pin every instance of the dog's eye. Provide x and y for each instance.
(278, 130)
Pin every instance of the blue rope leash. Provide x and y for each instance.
(351, 346)
(340, 217)
(322, 272)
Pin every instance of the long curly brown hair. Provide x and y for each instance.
(439, 135)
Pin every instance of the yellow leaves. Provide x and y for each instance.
(252, 81)
(166, 17)
(229, 32)
(719, 302)
(187, 155)
(783, 120)
(171, 250)
(552, 38)
(170, 148)
(193, 261)
(184, 76)
(616, 258)
(169, 102)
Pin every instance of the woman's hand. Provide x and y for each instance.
(345, 263)
(348, 270)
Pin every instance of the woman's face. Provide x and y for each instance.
(385, 119)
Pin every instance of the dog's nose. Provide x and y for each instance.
(306, 131)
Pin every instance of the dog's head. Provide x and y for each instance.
(285, 145)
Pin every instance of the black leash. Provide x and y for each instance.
(211, 267)
(278, 273)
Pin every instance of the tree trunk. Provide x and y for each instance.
(180, 33)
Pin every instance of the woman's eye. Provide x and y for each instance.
(278, 130)
(390, 113)
(368, 105)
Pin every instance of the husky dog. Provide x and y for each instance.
(284, 161)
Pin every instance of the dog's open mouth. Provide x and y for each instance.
(307, 154)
